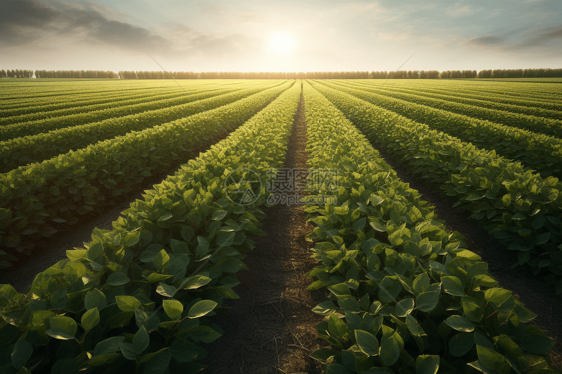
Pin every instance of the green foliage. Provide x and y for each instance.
(37, 198)
(405, 295)
(459, 95)
(99, 311)
(532, 122)
(537, 151)
(519, 207)
(36, 147)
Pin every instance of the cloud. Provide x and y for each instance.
(460, 11)
(24, 22)
(227, 14)
(189, 40)
(27, 23)
(547, 34)
(524, 41)
(487, 41)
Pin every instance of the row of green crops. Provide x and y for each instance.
(45, 125)
(539, 92)
(41, 88)
(519, 207)
(36, 148)
(63, 102)
(536, 124)
(459, 92)
(139, 298)
(538, 151)
(35, 200)
(95, 106)
(404, 295)
(485, 102)
(33, 92)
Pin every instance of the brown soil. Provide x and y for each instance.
(271, 328)
(532, 292)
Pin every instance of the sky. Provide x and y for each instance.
(326, 35)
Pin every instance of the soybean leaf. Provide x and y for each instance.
(368, 343)
(132, 238)
(158, 364)
(404, 307)
(453, 286)
(108, 346)
(195, 282)
(472, 308)
(90, 319)
(127, 303)
(492, 359)
(95, 299)
(128, 351)
(21, 353)
(141, 340)
(427, 364)
(166, 290)
(461, 343)
(62, 327)
(460, 323)
(201, 308)
(173, 308)
(427, 301)
(161, 260)
(117, 279)
(391, 345)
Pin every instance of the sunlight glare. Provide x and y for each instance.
(281, 43)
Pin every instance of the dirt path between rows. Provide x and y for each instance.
(271, 328)
(534, 294)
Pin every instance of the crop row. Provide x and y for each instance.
(405, 296)
(67, 101)
(461, 92)
(539, 92)
(507, 90)
(52, 115)
(536, 124)
(35, 93)
(484, 102)
(519, 207)
(45, 125)
(538, 151)
(36, 200)
(139, 298)
(93, 103)
(36, 148)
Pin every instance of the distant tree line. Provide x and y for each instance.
(401, 74)
(432, 74)
(74, 74)
(459, 74)
(520, 73)
(16, 73)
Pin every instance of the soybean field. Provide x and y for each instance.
(332, 226)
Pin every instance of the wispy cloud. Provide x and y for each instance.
(460, 11)
(545, 40)
(24, 22)
(487, 41)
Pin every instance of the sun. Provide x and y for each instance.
(281, 43)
